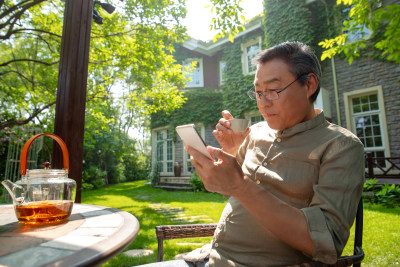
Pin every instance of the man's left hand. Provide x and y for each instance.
(224, 176)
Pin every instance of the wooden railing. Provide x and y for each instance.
(381, 167)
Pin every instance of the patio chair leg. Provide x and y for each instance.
(160, 249)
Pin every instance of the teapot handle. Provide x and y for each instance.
(24, 153)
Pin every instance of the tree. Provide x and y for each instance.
(381, 18)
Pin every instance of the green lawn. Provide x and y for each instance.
(381, 239)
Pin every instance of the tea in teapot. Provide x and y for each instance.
(43, 196)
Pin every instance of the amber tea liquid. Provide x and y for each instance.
(44, 212)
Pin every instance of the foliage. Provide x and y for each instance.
(114, 152)
(287, 21)
(389, 195)
(93, 177)
(370, 185)
(202, 106)
(155, 176)
(293, 20)
(386, 195)
(235, 88)
(133, 47)
(380, 19)
(227, 19)
(197, 183)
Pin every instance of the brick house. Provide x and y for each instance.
(360, 97)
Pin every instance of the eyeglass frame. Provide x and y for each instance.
(253, 94)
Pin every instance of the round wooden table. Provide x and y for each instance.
(90, 236)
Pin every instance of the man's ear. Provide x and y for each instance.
(312, 84)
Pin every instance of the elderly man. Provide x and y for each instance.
(293, 181)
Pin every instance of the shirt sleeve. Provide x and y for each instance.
(333, 207)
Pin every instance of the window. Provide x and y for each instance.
(249, 51)
(365, 115)
(254, 117)
(356, 33)
(194, 73)
(222, 72)
(164, 151)
(188, 168)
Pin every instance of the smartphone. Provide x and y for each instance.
(191, 137)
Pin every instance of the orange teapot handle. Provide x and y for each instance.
(24, 153)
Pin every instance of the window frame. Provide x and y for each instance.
(245, 62)
(382, 114)
(253, 114)
(190, 84)
(165, 146)
(222, 79)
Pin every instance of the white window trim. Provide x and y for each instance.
(154, 151)
(348, 112)
(323, 102)
(243, 47)
(184, 156)
(221, 81)
(201, 73)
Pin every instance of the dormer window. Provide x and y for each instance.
(222, 72)
(194, 71)
(249, 51)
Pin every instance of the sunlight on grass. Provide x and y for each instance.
(381, 238)
(137, 198)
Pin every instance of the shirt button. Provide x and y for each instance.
(265, 164)
(278, 139)
(216, 245)
(258, 182)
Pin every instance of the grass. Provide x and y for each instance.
(381, 238)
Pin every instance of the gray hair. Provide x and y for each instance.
(300, 58)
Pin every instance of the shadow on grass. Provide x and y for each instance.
(137, 198)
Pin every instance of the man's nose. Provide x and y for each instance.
(264, 102)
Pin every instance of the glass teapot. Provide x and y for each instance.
(43, 196)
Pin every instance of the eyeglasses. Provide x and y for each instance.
(271, 94)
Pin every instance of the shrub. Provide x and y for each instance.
(155, 176)
(197, 183)
(387, 195)
(93, 178)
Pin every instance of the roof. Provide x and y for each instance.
(210, 48)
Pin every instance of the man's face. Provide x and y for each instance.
(293, 105)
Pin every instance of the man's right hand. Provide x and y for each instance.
(228, 140)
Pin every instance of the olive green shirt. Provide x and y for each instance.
(315, 166)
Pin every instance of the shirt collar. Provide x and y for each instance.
(303, 126)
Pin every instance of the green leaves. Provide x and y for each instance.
(227, 18)
(382, 21)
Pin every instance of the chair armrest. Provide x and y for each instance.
(165, 232)
(185, 231)
(353, 260)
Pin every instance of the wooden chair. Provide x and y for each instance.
(165, 232)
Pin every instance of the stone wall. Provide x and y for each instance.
(365, 73)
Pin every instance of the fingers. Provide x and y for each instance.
(226, 115)
(195, 154)
(218, 153)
